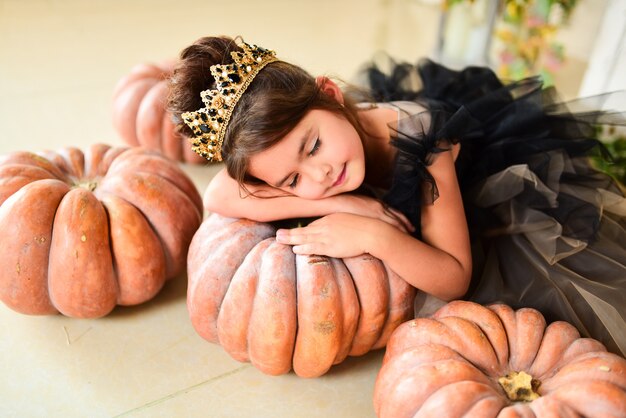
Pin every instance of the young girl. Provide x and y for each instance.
(403, 179)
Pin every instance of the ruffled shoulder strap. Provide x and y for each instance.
(417, 135)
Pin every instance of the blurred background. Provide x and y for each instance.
(59, 63)
(57, 56)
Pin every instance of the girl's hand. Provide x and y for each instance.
(337, 235)
(373, 208)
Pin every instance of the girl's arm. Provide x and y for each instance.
(442, 264)
(439, 265)
(265, 204)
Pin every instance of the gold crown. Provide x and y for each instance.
(209, 123)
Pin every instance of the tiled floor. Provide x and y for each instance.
(59, 62)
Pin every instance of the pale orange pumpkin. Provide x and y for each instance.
(469, 360)
(281, 311)
(140, 116)
(83, 232)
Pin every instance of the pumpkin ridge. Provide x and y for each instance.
(93, 158)
(142, 191)
(273, 322)
(209, 283)
(11, 166)
(557, 337)
(85, 258)
(192, 202)
(602, 366)
(150, 71)
(108, 158)
(125, 121)
(418, 332)
(318, 338)
(74, 161)
(127, 225)
(350, 310)
(578, 348)
(30, 296)
(400, 309)
(550, 407)
(103, 195)
(372, 291)
(172, 140)
(181, 182)
(489, 323)
(476, 347)
(387, 284)
(415, 356)
(488, 406)
(237, 305)
(150, 117)
(12, 178)
(34, 160)
(424, 380)
(593, 399)
(471, 394)
(531, 325)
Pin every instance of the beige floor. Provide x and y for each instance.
(59, 62)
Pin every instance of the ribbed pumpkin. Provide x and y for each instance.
(140, 116)
(279, 311)
(468, 360)
(82, 232)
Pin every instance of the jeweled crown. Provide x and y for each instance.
(209, 123)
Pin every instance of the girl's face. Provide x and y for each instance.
(322, 156)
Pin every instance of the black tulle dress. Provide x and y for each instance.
(548, 230)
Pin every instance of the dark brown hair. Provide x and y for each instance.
(274, 103)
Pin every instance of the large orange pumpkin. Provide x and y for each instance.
(279, 311)
(468, 360)
(140, 116)
(82, 232)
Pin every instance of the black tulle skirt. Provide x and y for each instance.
(548, 230)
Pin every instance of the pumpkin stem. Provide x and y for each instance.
(87, 184)
(520, 386)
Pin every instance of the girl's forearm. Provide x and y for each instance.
(275, 208)
(425, 267)
(263, 209)
(263, 203)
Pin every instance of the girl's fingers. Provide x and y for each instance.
(302, 243)
(304, 249)
(303, 240)
(294, 236)
(287, 237)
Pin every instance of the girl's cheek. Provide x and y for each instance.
(312, 194)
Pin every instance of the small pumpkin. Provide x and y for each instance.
(140, 116)
(81, 232)
(469, 360)
(281, 311)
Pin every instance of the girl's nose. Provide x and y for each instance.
(320, 172)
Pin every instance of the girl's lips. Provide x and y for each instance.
(341, 178)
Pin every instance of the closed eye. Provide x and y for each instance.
(314, 149)
(294, 182)
(316, 146)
